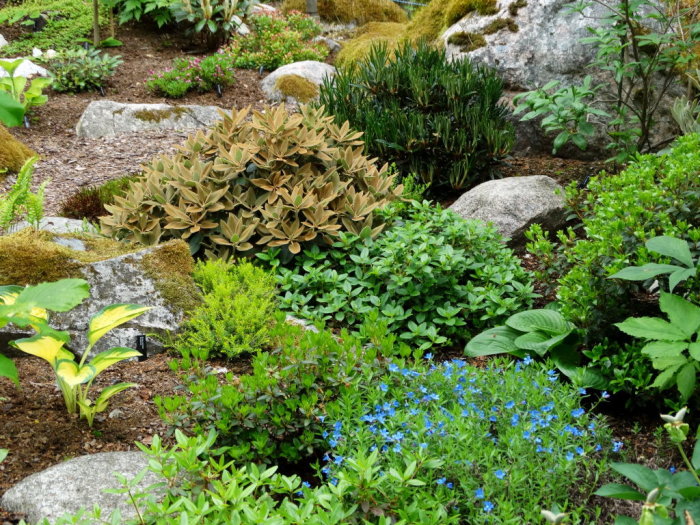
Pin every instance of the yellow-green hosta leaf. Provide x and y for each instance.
(112, 316)
(107, 358)
(102, 401)
(73, 374)
(46, 347)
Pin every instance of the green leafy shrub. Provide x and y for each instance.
(134, 10)
(89, 203)
(25, 93)
(237, 310)
(276, 40)
(201, 74)
(20, 203)
(276, 180)
(275, 411)
(433, 278)
(493, 445)
(440, 120)
(79, 69)
(215, 21)
(655, 195)
(66, 22)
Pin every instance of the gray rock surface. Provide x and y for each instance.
(113, 281)
(105, 118)
(514, 203)
(57, 225)
(546, 47)
(332, 45)
(311, 70)
(78, 483)
(26, 69)
(3, 41)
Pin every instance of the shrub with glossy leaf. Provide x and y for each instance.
(275, 411)
(434, 278)
(441, 120)
(274, 180)
(76, 70)
(237, 310)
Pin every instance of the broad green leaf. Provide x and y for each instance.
(651, 328)
(8, 370)
(11, 111)
(642, 273)
(662, 349)
(498, 340)
(588, 377)
(60, 296)
(671, 247)
(112, 316)
(683, 314)
(11, 66)
(539, 342)
(42, 346)
(103, 399)
(640, 475)
(616, 490)
(665, 379)
(72, 374)
(685, 380)
(625, 520)
(695, 460)
(679, 276)
(661, 363)
(549, 321)
(109, 357)
(694, 350)
(3, 454)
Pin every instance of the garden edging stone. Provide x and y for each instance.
(311, 70)
(78, 483)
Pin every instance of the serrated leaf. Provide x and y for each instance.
(685, 380)
(651, 328)
(683, 314)
(662, 349)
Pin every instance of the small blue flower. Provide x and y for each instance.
(510, 404)
(449, 485)
(527, 360)
(428, 356)
(672, 470)
(441, 481)
(582, 391)
(383, 387)
(338, 460)
(578, 412)
(569, 456)
(479, 493)
(617, 446)
(500, 474)
(605, 394)
(306, 484)
(488, 506)
(579, 451)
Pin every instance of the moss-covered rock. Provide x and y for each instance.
(388, 33)
(352, 11)
(13, 154)
(430, 21)
(467, 41)
(297, 87)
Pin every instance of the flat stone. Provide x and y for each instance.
(311, 70)
(78, 483)
(106, 118)
(73, 244)
(26, 69)
(513, 204)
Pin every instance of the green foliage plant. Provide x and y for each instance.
(19, 202)
(669, 498)
(200, 74)
(276, 40)
(237, 310)
(135, 10)
(66, 21)
(79, 69)
(11, 111)
(492, 444)
(277, 180)
(89, 203)
(275, 411)
(686, 113)
(668, 341)
(16, 86)
(639, 45)
(214, 20)
(440, 120)
(432, 278)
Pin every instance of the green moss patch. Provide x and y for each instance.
(430, 21)
(514, 6)
(297, 87)
(159, 115)
(170, 266)
(388, 33)
(499, 24)
(13, 154)
(348, 11)
(467, 41)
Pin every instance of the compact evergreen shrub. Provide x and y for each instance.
(276, 180)
(433, 278)
(237, 310)
(75, 70)
(441, 120)
(89, 203)
(655, 195)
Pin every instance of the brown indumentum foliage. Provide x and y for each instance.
(277, 179)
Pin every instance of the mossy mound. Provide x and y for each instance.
(389, 33)
(297, 87)
(31, 257)
(467, 41)
(348, 11)
(430, 21)
(13, 154)
(171, 268)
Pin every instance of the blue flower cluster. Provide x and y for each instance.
(488, 427)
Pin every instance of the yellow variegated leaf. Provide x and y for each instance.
(72, 374)
(102, 401)
(48, 348)
(112, 316)
(109, 357)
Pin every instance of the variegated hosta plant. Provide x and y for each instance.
(275, 179)
(75, 378)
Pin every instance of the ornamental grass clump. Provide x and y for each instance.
(440, 120)
(492, 445)
(274, 180)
